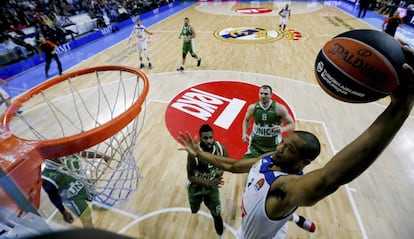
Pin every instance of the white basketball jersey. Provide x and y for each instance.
(255, 223)
(139, 32)
(285, 13)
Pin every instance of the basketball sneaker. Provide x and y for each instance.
(149, 65)
(305, 224)
(141, 66)
(181, 69)
(199, 62)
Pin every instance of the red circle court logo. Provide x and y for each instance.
(253, 10)
(220, 104)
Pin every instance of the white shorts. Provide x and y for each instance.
(141, 45)
(281, 234)
(283, 21)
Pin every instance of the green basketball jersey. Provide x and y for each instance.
(186, 31)
(264, 119)
(208, 171)
(68, 186)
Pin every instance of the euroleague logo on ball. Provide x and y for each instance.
(220, 104)
(319, 67)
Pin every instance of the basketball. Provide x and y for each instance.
(359, 66)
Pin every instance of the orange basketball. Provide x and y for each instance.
(359, 66)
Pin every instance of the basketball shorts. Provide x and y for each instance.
(141, 46)
(283, 21)
(281, 234)
(189, 47)
(210, 196)
(254, 150)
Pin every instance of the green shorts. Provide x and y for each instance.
(77, 205)
(210, 196)
(256, 150)
(188, 47)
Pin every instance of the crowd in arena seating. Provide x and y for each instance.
(388, 7)
(23, 20)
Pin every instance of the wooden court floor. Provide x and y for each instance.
(376, 205)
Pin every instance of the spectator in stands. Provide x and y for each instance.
(395, 6)
(123, 13)
(62, 32)
(3, 48)
(20, 50)
(31, 50)
(63, 21)
(49, 48)
(100, 22)
(386, 6)
(113, 15)
(42, 18)
(17, 30)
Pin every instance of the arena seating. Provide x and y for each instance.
(83, 23)
(8, 57)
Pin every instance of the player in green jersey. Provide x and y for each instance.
(271, 119)
(64, 189)
(205, 179)
(188, 34)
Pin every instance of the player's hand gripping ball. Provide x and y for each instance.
(360, 66)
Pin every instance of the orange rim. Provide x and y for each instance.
(71, 144)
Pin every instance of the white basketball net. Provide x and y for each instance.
(77, 105)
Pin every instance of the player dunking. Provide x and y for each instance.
(284, 17)
(140, 32)
(274, 189)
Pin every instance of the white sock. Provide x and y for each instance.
(295, 218)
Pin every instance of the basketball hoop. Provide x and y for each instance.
(95, 109)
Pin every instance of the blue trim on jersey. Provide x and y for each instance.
(265, 169)
(268, 173)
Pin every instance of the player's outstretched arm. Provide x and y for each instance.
(223, 163)
(246, 122)
(356, 157)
